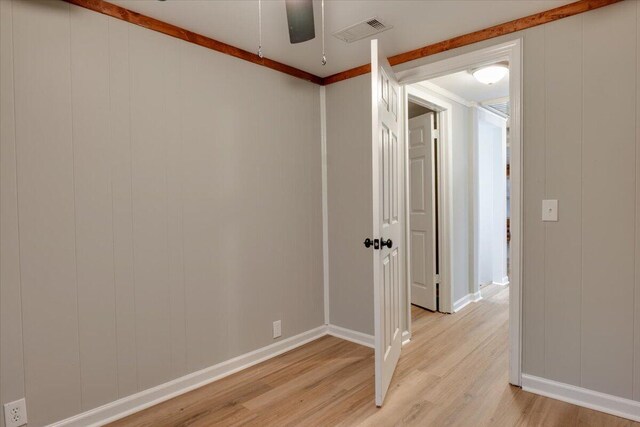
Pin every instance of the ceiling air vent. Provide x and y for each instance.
(362, 30)
(500, 106)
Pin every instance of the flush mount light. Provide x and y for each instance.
(490, 74)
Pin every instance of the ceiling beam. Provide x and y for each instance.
(520, 24)
(478, 36)
(135, 18)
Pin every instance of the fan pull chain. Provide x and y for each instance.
(260, 54)
(324, 56)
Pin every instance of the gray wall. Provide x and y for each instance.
(349, 203)
(581, 288)
(160, 207)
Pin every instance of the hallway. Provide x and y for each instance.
(454, 372)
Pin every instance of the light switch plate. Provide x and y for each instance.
(549, 210)
(277, 329)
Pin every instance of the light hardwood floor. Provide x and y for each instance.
(454, 372)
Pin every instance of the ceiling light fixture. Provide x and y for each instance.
(490, 74)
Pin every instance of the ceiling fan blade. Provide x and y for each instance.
(300, 20)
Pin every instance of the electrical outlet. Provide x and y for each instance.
(277, 329)
(15, 413)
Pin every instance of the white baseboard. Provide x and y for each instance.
(466, 300)
(602, 402)
(351, 335)
(503, 282)
(136, 402)
(406, 337)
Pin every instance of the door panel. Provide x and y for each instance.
(422, 214)
(387, 219)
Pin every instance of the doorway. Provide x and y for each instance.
(486, 117)
(422, 236)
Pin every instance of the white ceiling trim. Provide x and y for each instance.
(444, 92)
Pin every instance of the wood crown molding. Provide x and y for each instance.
(478, 36)
(135, 18)
(520, 24)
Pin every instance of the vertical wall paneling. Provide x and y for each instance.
(273, 176)
(149, 141)
(11, 358)
(173, 130)
(92, 154)
(563, 239)
(636, 311)
(608, 180)
(314, 279)
(533, 256)
(123, 261)
(247, 156)
(46, 209)
(292, 257)
(203, 184)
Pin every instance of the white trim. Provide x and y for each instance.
(487, 106)
(515, 287)
(602, 402)
(325, 209)
(494, 113)
(510, 51)
(499, 100)
(407, 210)
(351, 335)
(504, 282)
(406, 338)
(466, 300)
(136, 402)
(446, 93)
(121, 408)
(461, 62)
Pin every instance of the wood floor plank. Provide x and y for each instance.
(454, 372)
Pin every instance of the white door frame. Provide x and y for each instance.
(444, 155)
(510, 51)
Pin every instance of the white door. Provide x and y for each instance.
(387, 225)
(422, 211)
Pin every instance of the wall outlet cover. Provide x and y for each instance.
(549, 210)
(15, 413)
(277, 329)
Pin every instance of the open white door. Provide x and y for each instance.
(422, 211)
(387, 219)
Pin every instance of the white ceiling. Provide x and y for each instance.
(416, 24)
(467, 87)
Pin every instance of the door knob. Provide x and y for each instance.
(375, 242)
(388, 243)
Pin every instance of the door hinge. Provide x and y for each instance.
(436, 134)
(436, 279)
